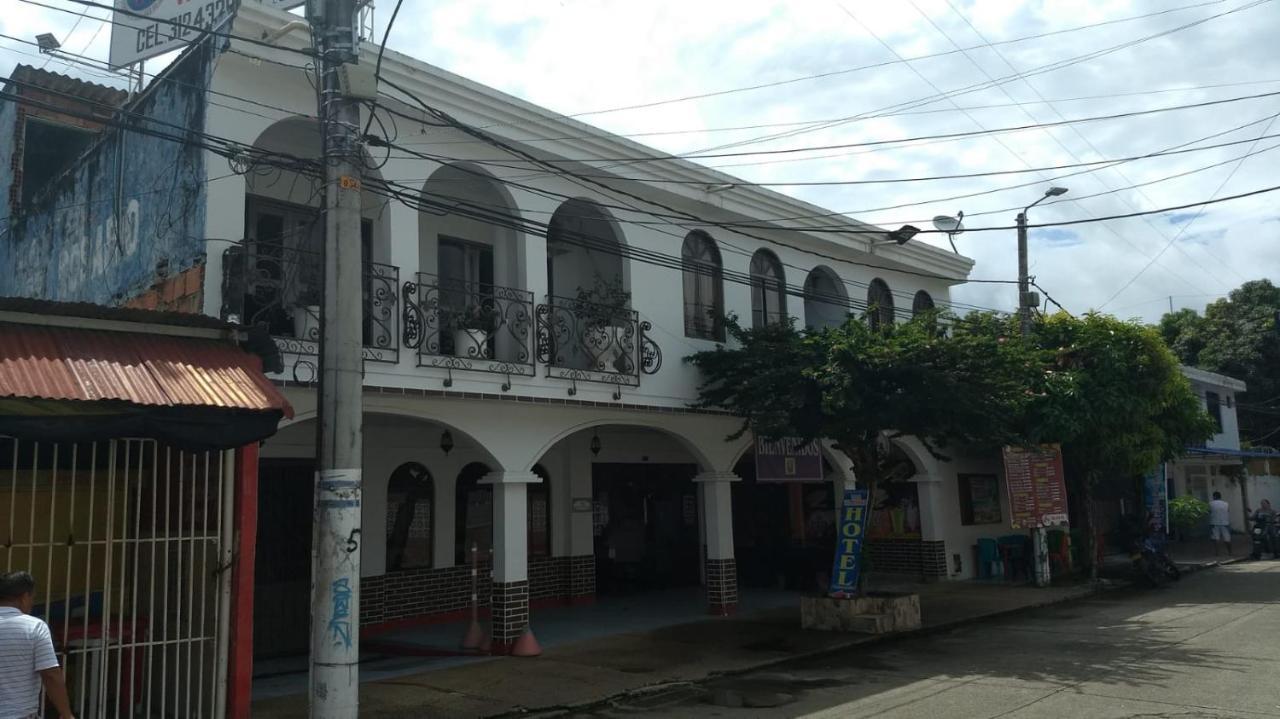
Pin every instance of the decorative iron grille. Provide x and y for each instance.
(270, 284)
(588, 342)
(469, 325)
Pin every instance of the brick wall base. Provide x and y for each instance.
(509, 607)
(896, 556)
(722, 586)
(446, 591)
(933, 560)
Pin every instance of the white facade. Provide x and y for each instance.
(534, 408)
(1200, 473)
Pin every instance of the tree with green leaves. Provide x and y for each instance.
(1237, 336)
(862, 387)
(1115, 398)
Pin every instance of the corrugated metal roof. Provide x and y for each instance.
(65, 84)
(88, 310)
(66, 363)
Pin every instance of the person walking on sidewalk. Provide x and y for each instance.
(1219, 523)
(27, 659)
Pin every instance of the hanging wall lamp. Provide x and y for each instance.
(446, 441)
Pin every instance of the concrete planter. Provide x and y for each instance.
(872, 614)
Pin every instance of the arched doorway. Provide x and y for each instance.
(275, 277)
(410, 519)
(584, 252)
(825, 302)
(784, 533)
(474, 518)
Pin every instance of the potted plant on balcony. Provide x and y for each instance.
(306, 313)
(471, 330)
(602, 311)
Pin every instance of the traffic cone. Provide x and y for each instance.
(474, 639)
(526, 645)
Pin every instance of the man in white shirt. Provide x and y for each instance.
(1219, 523)
(27, 659)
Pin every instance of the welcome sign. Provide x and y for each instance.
(852, 526)
(788, 459)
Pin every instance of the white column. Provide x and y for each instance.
(581, 530)
(717, 508)
(510, 524)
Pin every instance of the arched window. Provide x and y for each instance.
(825, 301)
(703, 287)
(539, 509)
(923, 302)
(879, 304)
(410, 499)
(768, 289)
(474, 523)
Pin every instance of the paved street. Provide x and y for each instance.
(1207, 647)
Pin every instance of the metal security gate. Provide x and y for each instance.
(129, 543)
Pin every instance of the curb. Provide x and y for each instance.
(561, 709)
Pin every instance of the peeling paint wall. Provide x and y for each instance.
(72, 244)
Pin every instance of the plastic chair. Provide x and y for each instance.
(1059, 551)
(990, 563)
(1016, 551)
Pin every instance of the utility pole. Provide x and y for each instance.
(335, 545)
(1027, 300)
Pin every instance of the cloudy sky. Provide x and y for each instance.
(907, 69)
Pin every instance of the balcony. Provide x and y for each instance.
(588, 342)
(471, 326)
(270, 284)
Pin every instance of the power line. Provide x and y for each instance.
(1039, 70)
(844, 71)
(1185, 226)
(1097, 177)
(632, 159)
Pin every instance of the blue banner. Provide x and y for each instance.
(1155, 499)
(852, 525)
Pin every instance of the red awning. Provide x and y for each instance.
(148, 370)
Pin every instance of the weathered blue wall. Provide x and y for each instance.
(65, 246)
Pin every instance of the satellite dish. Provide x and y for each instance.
(949, 225)
(952, 226)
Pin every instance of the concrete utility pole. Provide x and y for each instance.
(1026, 301)
(335, 546)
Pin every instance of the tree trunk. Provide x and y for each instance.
(1090, 536)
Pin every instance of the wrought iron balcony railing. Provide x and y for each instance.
(279, 287)
(588, 342)
(471, 326)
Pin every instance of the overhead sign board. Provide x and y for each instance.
(788, 459)
(1037, 486)
(852, 528)
(145, 28)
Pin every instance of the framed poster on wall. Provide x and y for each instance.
(979, 499)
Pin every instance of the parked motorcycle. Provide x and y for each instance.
(1151, 565)
(1265, 535)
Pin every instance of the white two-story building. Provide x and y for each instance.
(525, 328)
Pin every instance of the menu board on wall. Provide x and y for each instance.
(1037, 486)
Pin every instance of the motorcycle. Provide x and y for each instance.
(1265, 535)
(1151, 565)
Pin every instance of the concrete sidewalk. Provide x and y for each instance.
(593, 670)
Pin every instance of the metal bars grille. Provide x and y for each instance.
(127, 540)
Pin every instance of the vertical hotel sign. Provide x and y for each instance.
(1155, 498)
(1037, 486)
(852, 526)
(788, 459)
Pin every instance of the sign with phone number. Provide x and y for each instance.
(145, 28)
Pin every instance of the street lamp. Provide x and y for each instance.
(1027, 299)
